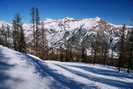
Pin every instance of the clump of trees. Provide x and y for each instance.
(15, 37)
(5, 35)
(39, 42)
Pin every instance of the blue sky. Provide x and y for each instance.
(114, 11)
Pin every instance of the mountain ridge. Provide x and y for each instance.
(75, 31)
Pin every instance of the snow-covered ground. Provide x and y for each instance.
(19, 71)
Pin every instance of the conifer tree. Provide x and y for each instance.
(36, 30)
(121, 53)
(18, 35)
(130, 49)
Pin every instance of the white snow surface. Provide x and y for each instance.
(21, 71)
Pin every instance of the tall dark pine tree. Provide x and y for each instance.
(15, 32)
(94, 46)
(130, 49)
(18, 35)
(83, 54)
(104, 38)
(22, 41)
(36, 31)
(43, 42)
(104, 48)
(121, 53)
(34, 28)
(3, 35)
(8, 34)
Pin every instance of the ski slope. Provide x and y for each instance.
(20, 71)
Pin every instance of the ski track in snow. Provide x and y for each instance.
(20, 71)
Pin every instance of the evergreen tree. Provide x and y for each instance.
(83, 54)
(33, 14)
(9, 35)
(36, 30)
(3, 35)
(22, 46)
(43, 42)
(18, 35)
(130, 49)
(121, 53)
(94, 46)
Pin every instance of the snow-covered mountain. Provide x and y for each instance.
(76, 31)
(20, 71)
(81, 32)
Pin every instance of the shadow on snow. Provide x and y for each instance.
(44, 70)
(114, 83)
(4, 77)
